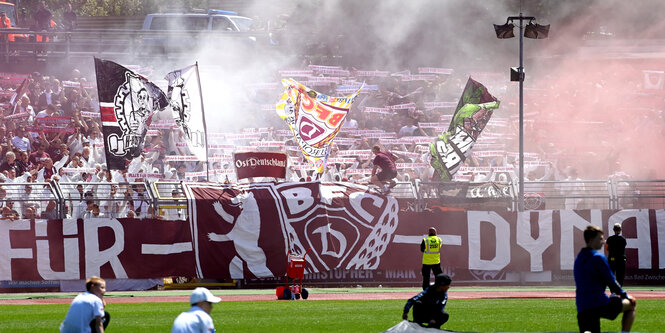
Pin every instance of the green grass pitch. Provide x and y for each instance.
(467, 315)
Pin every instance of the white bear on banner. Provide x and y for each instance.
(246, 231)
(244, 235)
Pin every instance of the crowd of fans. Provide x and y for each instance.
(404, 112)
(52, 132)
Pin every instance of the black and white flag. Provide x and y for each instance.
(127, 102)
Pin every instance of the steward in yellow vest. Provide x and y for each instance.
(431, 249)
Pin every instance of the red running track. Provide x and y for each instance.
(462, 294)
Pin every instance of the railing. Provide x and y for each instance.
(466, 195)
(558, 195)
(170, 201)
(18, 45)
(586, 194)
(166, 200)
(641, 194)
(27, 200)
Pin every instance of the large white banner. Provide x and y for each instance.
(185, 100)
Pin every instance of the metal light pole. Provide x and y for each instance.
(535, 31)
(520, 72)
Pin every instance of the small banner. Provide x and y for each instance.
(260, 164)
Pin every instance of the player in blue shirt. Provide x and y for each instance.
(592, 276)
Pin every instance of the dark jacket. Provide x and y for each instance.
(616, 247)
(428, 297)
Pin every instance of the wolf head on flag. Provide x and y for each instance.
(472, 113)
(314, 118)
(184, 95)
(127, 102)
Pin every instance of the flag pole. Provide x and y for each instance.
(203, 116)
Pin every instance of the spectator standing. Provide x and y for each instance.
(86, 156)
(140, 204)
(429, 305)
(592, 276)
(84, 207)
(56, 86)
(46, 173)
(10, 163)
(615, 247)
(431, 249)
(197, 319)
(50, 212)
(574, 191)
(57, 149)
(43, 17)
(71, 103)
(24, 106)
(3, 138)
(20, 141)
(5, 22)
(38, 157)
(23, 19)
(49, 111)
(350, 123)
(46, 97)
(29, 200)
(111, 208)
(9, 211)
(23, 163)
(411, 129)
(69, 19)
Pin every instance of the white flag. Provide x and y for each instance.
(184, 95)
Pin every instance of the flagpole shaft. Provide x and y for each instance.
(520, 200)
(203, 115)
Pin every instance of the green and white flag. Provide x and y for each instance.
(450, 149)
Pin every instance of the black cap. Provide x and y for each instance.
(442, 280)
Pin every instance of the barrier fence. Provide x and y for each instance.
(356, 235)
(166, 200)
(19, 45)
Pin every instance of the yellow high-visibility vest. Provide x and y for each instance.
(432, 255)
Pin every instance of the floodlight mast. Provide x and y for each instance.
(520, 77)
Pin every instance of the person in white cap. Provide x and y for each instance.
(197, 319)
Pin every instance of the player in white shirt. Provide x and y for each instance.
(197, 319)
(87, 310)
